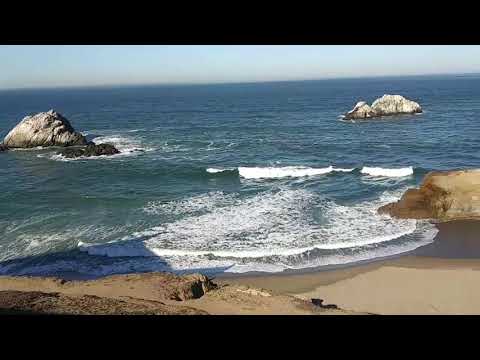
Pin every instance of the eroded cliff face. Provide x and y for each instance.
(446, 195)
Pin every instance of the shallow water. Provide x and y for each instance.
(240, 177)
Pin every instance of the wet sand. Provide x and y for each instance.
(439, 278)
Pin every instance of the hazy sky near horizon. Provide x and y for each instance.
(23, 66)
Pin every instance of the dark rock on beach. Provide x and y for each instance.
(384, 106)
(90, 150)
(3, 148)
(319, 303)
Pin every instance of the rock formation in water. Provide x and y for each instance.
(52, 129)
(361, 111)
(385, 106)
(90, 150)
(43, 129)
(446, 195)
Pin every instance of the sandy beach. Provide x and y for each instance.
(410, 285)
(440, 278)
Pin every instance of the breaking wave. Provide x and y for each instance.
(277, 172)
(384, 172)
(303, 171)
(270, 231)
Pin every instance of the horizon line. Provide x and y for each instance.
(125, 85)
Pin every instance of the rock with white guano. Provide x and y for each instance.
(395, 104)
(384, 106)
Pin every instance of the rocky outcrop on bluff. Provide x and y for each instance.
(384, 106)
(43, 129)
(446, 195)
(156, 285)
(147, 293)
(90, 150)
(37, 302)
(131, 294)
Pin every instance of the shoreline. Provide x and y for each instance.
(456, 239)
(438, 278)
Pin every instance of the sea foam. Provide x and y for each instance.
(279, 172)
(286, 171)
(127, 145)
(384, 172)
(271, 230)
(215, 171)
(303, 171)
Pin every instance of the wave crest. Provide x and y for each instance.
(303, 171)
(280, 172)
(216, 171)
(385, 172)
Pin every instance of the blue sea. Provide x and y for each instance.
(228, 178)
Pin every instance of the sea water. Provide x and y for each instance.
(228, 178)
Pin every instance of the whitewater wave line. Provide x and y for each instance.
(116, 249)
(302, 171)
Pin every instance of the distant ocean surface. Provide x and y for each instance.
(228, 178)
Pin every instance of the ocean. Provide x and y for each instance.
(228, 178)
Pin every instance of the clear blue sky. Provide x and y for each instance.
(50, 66)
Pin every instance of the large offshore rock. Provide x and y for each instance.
(395, 104)
(43, 129)
(384, 106)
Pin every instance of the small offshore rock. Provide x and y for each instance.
(361, 111)
(90, 150)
